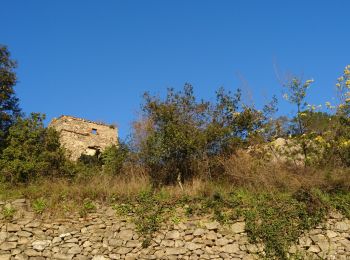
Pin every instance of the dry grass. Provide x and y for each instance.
(238, 171)
(243, 170)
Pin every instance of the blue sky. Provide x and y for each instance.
(94, 59)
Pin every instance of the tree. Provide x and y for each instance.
(296, 94)
(32, 151)
(176, 138)
(182, 134)
(9, 108)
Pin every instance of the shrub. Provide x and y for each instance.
(113, 158)
(32, 151)
(183, 134)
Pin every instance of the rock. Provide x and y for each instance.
(199, 232)
(292, 249)
(211, 235)
(167, 243)
(65, 235)
(23, 234)
(124, 250)
(323, 245)
(159, 254)
(81, 257)
(31, 252)
(87, 244)
(6, 246)
(56, 240)
(314, 249)
(173, 235)
(335, 215)
(345, 243)
(252, 248)
(13, 227)
(192, 246)
(341, 226)
(5, 257)
(238, 227)
(60, 256)
(331, 234)
(126, 234)
(175, 251)
(34, 224)
(222, 241)
(212, 225)
(230, 248)
(74, 250)
(133, 243)
(3, 236)
(110, 212)
(72, 240)
(40, 245)
(23, 241)
(21, 257)
(115, 242)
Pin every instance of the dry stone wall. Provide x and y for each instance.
(103, 235)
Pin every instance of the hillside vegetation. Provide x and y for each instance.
(208, 157)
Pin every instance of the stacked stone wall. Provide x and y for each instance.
(104, 235)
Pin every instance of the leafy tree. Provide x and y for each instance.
(32, 151)
(296, 94)
(184, 133)
(114, 157)
(9, 109)
(177, 135)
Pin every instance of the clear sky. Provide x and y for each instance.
(94, 59)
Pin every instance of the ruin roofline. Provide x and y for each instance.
(82, 120)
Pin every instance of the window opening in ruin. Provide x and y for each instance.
(94, 131)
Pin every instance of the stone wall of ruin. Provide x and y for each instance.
(81, 136)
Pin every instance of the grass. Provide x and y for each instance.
(39, 205)
(277, 203)
(8, 212)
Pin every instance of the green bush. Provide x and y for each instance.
(184, 133)
(114, 157)
(33, 151)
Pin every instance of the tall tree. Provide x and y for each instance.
(9, 104)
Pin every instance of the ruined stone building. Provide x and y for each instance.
(80, 136)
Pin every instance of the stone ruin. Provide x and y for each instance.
(80, 136)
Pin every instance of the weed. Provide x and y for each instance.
(39, 205)
(8, 212)
(87, 207)
(148, 210)
(123, 209)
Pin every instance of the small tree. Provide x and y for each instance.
(180, 134)
(32, 151)
(176, 138)
(114, 157)
(296, 94)
(9, 108)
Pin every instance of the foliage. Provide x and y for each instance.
(87, 207)
(9, 107)
(39, 205)
(8, 212)
(183, 133)
(114, 157)
(32, 151)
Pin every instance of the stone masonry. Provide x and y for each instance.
(80, 136)
(104, 235)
